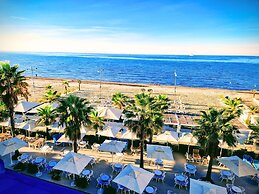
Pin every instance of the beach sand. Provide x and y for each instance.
(193, 99)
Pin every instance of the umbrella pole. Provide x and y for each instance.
(220, 152)
(11, 159)
(188, 148)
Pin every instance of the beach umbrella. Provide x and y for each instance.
(25, 106)
(134, 178)
(112, 146)
(205, 187)
(6, 123)
(109, 113)
(110, 130)
(65, 139)
(159, 152)
(188, 139)
(127, 134)
(11, 145)
(238, 166)
(73, 163)
(168, 136)
(57, 128)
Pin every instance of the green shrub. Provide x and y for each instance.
(20, 166)
(110, 190)
(81, 182)
(55, 175)
(32, 168)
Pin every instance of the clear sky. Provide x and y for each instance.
(229, 27)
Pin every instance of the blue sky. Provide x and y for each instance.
(132, 26)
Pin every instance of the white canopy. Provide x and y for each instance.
(134, 178)
(168, 136)
(127, 134)
(188, 138)
(112, 146)
(73, 163)
(25, 106)
(159, 152)
(64, 139)
(238, 166)
(28, 125)
(109, 113)
(55, 127)
(10, 145)
(204, 187)
(6, 123)
(35, 110)
(111, 129)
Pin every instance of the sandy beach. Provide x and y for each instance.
(193, 99)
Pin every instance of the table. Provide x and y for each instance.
(117, 165)
(38, 160)
(180, 178)
(105, 177)
(236, 189)
(86, 172)
(24, 156)
(52, 163)
(149, 189)
(158, 172)
(226, 173)
(190, 166)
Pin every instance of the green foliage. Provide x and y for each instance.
(3, 111)
(119, 100)
(20, 166)
(55, 175)
(12, 85)
(50, 94)
(81, 182)
(255, 132)
(233, 106)
(66, 85)
(74, 113)
(32, 168)
(97, 122)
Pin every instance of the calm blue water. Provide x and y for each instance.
(16, 183)
(230, 72)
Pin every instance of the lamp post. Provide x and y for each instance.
(32, 79)
(175, 75)
(100, 79)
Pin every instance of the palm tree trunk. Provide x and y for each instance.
(11, 114)
(75, 146)
(150, 138)
(212, 150)
(47, 132)
(79, 87)
(142, 148)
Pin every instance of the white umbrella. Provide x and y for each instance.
(238, 166)
(188, 139)
(134, 178)
(25, 106)
(205, 187)
(57, 128)
(11, 145)
(36, 109)
(159, 152)
(112, 146)
(6, 123)
(109, 113)
(168, 136)
(73, 163)
(127, 134)
(110, 130)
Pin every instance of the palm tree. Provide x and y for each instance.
(97, 121)
(215, 125)
(73, 113)
(47, 117)
(66, 85)
(119, 100)
(233, 105)
(79, 84)
(50, 94)
(12, 85)
(255, 128)
(252, 111)
(140, 113)
(3, 111)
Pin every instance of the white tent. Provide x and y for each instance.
(35, 110)
(11, 145)
(188, 139)
(205, 187)
(127, 134)
(167, 136)
(238, 166)
(73, 163)
(25, 106)
(109, 113)
(110, 130)
(112, 146)
(134, 178)
(159, 152)
(64, 139)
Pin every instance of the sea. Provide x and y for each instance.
(228, 72)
